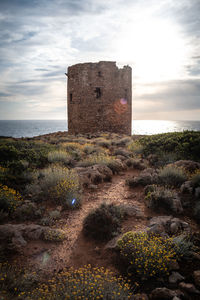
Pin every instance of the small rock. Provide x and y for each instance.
(132, 210)
(186, 188)
(173, 265)
(196, 276)
(175, 277)
(112, 244)
(162, 294)
(189, 288)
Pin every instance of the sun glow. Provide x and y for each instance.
(155, 48)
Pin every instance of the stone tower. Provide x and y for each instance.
(99, 98)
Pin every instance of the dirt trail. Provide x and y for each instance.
(76, 250)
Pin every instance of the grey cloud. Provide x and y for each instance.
(2, 95)
(177, 95)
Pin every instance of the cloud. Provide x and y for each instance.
(39, 39)
(177, 95)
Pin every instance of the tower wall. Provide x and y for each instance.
(99, 98)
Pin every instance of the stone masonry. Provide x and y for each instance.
(99, 98)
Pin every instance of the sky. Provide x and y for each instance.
(159, 39)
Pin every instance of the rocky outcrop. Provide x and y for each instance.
(15, 236)
(167, 225)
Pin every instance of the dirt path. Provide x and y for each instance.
(76, 250)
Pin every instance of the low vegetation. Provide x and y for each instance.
(170, 176)
(185, 144)
(104, 222)
(147, 255)
(58, 184)
(43, 179)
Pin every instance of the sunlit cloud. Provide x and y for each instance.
(160, 40)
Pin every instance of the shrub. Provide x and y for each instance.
(9, 199)
(147, 254)
(59, 156)
(122, 142)
(102, 159)
(88, 148)
(74, 149)
(183, 246)
(15, 281)
(35, 153)
(135, 147)
(172, 176)
(102, 142)
(83, 283)
(56, 183)
(104, 222)
(197, 212)
(195, 180)
(54, 235)
(160, 197)
(185, 144)
(135, 163)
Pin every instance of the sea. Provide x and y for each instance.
(31, 128)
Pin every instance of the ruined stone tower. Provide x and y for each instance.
(99, 98)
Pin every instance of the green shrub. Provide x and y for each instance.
(9, 199)
(136, 147)
(59, 156)
(88, 148)
(185, 144)
(160, 198)
(135, 164)
(183, 246)
(171, 176)
(147, 255)
(103, 142)
(104, 222)
(56, 183)
(121, 142)
(195, 180)
(84, 283)
(101, 159)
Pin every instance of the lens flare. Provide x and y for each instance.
(73, 201)
(123, 101)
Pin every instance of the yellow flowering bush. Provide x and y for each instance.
(85, 283)
(148, 254)
(9, 199)
(57, 183)
(54, 235)
(15, 281)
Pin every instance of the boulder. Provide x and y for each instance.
(175, 277)
(15, 236)
(162, 294)
(167, 224)
(189, 288)
(196, 276)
